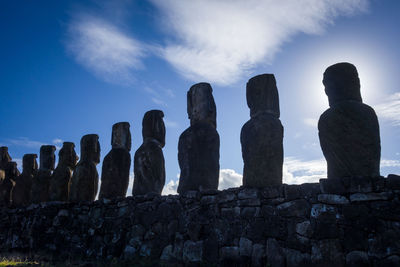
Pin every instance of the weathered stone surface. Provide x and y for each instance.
(198, 148)
(369, 196)
(5, 158)
(85, 180)
(23, 183)
(116, 164)
(275, 254)
(262, 136)
(192, 251)
(332, 199)
(41, 182)
(62, 175)
(149, 164)
(357, 258)
(349, 129)
(327, 251)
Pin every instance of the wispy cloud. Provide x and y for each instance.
(220, 41)
(104, 49)
(390, 109)
(170, 124)
(390, 163)
(28, 143)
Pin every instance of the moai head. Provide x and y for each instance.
(262, 95)
(11, 170)
(67, 154)
(121, 136)
(90, 148)
(342, 83)
(153, 126)
(4, 157)
(201, 105)
(47, 157)
(29, 163)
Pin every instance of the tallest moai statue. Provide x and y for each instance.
(198, 148)
(349, 129)
(262, 135)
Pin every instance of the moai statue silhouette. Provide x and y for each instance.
(41, 182)
(23, 183)
(4, 157)
(198, 148)
(349, 129)
(8, 182)
(62, 175)
(117, 163)
(262, 136)
(149, 165)
(85, 180)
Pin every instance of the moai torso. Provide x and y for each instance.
(62, 175)
(149, 165)
(116, 164)
(7, 183)
(23, 183)
(348, 130)
(198, 148)
(41, 182)
(85, 180)
(262, 136)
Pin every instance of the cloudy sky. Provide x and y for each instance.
(70, 68)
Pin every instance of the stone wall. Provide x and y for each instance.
(334, 222)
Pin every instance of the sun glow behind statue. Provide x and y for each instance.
(368, 64)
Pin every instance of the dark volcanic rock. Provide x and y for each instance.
(23, 183)
(349, 129)
(41, 182)
(198, 148)
(149, 168)
(62, 175)
(262, 135)
(116, 165)
(85, 180)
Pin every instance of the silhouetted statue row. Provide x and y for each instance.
(348, 133)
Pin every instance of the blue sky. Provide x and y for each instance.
(69, 68)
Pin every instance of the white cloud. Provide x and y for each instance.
(390, 163)
(57, 141)
(313, 122)
(228, 178)
(170, 124)
(104, 49)
(170, 188)
(130, 185)
(297, 171)
(220, 41)
(390, 109)
(24, 142)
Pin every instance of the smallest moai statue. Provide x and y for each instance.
(61, 177)
(85, 180)
(262, 136)
(4, 157)
(7, 184)
(117, 163)
(149, 165)
(23, 183)
(41, 182)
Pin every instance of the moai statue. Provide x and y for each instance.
(7, 183)
(61, 177)
(41, 182)
(349, 129)
(117, 163)
(4, 157)
(85, 180)
(262, 136)
(198, 148)
(23, 183)
(149, 166)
